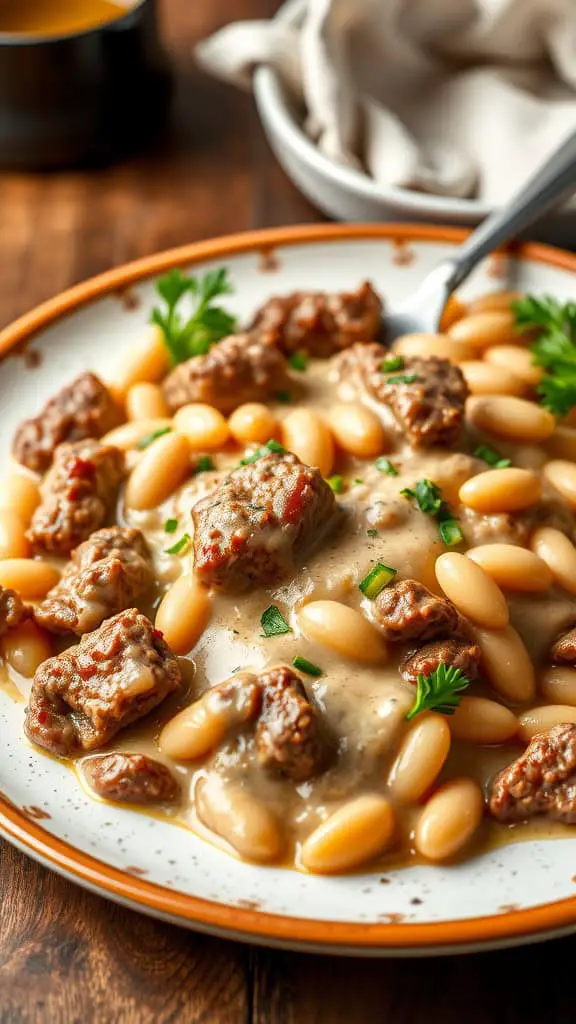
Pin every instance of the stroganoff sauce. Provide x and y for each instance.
(364, 705)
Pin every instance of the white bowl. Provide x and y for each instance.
(351, 195)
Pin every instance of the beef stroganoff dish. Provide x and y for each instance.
(307, 594)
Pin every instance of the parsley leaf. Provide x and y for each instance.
(492, 457)
(385, 466)
(554, 349)
(273, 622)
(204, 463)
(180, 546)
(208, 322)
(376, 580)
(336, 483)
(372, 533)
(428, 497)
(394, 363)
(303, 665)
(271, 447)
(404, 378)
(298, 361)
(145, 442)
(170, 526)
(439, 691)
(283, 397)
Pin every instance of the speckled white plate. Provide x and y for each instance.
(513, 894)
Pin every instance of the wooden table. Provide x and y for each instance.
(67, 956)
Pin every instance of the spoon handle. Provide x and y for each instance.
(554, 180)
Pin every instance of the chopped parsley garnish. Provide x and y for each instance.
(303, 665)
(428, 497)
(284, 397)
(170, 526)
(404, 378)
(394, 363)
(439, 691)
(385, 466)
(273, 622)
(492, 457)
(376, 580)
(180, 546)
(145, 442)
(554, 349)
(257, 508)
(298, 361)
(358, 480)
(208, 322)
(450, 532)
(204, 464)
(336, 483)
(266, 449)
(372, 533)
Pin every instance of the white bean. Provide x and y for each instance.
(420, 758)
(449, 819)
(354, 834)
(183, 614)
(559, 553)
(473, 592)
(162, 468)
(342, 628)
(507, 664)
(478, 720)
(543, 719)
(240, 818)
(203, 725)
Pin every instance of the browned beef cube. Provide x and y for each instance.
(83, 409)
(239, 369)
(114, 676)
(79, 492)
(409, 611)
(260, 521)
(564, 650)
(108, 573)
(542, 781)
(12, 611)
(321, 323)
(457, 653)
(131, 778)
(290, 739)
(426, 396)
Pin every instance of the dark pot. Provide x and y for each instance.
(82, 99)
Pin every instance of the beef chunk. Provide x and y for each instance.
(564, 650)
(108, 573)
(322, 323)
(261, 519)
(290, 740)
(83, 409)
(457, 652)
(409, 611)
(114, 676)
(12, 611)
(542, 781)
(239, 369)
(79, 491)
(131, 778)
(429, 409)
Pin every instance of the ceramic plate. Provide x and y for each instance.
(513, 894)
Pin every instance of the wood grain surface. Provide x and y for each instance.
(69, 957)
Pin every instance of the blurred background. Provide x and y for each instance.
(209, 172)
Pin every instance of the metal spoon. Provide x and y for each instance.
(555, 180)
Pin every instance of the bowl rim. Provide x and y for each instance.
(236, 922)
(270, 99)
(18, 39)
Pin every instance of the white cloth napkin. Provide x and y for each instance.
(456, 97)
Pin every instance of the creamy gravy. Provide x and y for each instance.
(364, 705)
